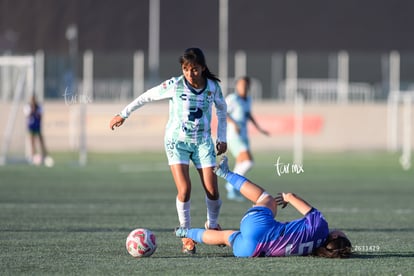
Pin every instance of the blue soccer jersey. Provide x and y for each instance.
(238, 109)
(261, 235)
(34, 117)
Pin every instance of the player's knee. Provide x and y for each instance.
(267, 200)
(213, 195)
(248, 164)
(184, 196)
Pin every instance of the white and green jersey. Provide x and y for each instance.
(238, 109)
(190, 110)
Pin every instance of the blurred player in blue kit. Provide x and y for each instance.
(238, 115)
(188, 133)
(34, 113)
(260, 235)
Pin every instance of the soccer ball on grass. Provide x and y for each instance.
(141, 242)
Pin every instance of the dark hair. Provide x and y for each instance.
(195, 55)
(246, 79)
(339, 247)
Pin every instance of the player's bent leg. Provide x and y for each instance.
(182, 181)
(222, 169)
(215, 237)
(244, 163)
(248, 189)
(213, 201)
(209, 182)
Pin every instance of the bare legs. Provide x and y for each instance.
(43, 151)
(251, 191)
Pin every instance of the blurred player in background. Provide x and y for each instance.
(238, 114)
(188, 133)
(260, 235)
(34, 112)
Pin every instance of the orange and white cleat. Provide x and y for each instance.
(188, 246)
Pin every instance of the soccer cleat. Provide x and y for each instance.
(181, 232)
(222, 169)
(188, 246)
(207, 226)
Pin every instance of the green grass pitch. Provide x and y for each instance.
(74, 220)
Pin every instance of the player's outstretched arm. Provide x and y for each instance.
(116, 121)
(301, 205)
(264, 132)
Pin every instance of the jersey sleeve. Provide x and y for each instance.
(163, 91)
(221, 112)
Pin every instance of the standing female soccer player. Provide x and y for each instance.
(238, 114)
(34, 112)
(188, 133)
(260, 235)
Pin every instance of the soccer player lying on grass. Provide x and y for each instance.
(260, 235)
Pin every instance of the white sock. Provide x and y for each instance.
(213, 211)
(183, 211)
(243, 167)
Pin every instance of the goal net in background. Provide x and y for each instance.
(16, 85)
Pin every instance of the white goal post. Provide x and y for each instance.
(403, 126)
(17, 81)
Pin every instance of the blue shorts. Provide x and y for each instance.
(255, 223)
(202, 155)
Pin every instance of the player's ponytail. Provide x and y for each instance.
(339, 247)
(195, 55)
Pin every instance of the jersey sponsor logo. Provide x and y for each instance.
(184, 97)
(197, 99)
(195, 113)
(192, 125)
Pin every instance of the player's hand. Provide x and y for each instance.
(221, 147)
(116, 121)
(280, 200)
(237, 129)
(265, 132)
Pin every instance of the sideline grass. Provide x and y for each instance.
(74, 220)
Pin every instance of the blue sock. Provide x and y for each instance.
(236, 180)
(196, 234)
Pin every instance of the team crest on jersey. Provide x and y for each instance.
(209, 97)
